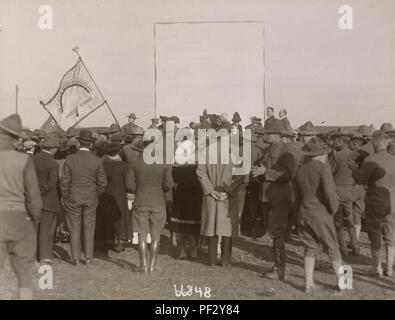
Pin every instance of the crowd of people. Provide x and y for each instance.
(95, 190)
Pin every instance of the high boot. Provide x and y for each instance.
(390, 253)
(341, 238)
(377, 269)
(273, 272)
(282, 262)
(353, 241)
(153, 255)
(212, 250)
(308, 274)
(226, 251)
(143, 256)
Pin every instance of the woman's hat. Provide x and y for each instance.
(236, 117)
(86, 135)
(315, 147)
(12, 126)
(50, 141)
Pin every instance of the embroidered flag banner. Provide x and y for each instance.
(76, 98)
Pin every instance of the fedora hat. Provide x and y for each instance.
(112, 147)
(315, 147)
(307, 129)
(341, 132)
(86, 135)
(132, 115)
(50, 141)
(274, 126)
(12, 126)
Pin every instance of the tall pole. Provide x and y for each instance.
(75, 49)
(16, 98)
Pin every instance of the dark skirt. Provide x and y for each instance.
(187, 203)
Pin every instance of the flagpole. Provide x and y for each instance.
(75, 49)
(16, 98)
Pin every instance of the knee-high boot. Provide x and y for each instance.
(153, 255)
(353, 240)
(341, 238)
(143, 256)
(212, 250)
(377, 269)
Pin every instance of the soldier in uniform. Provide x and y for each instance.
(130, 126)
(154, 124)
(378, 173)
(270, 115)
(306, 132)
(276, 167)
(287, 137)
(129, 152)
(20, 206)
(48, 178)
(346, 190)
(317, 202)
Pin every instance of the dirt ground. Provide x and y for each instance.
(117, 278)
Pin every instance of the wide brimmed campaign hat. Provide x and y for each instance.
(307, 129)
(341, 132)
(385, 128)
(12, 126)
(86, 135)
(132, 115)
(116, 138)
(50, 141)
(315, 147)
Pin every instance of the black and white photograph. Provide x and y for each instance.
(211, 150)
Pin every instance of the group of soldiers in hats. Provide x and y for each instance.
(323, 188)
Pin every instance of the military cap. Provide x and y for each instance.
(12, 126)
(315, 147)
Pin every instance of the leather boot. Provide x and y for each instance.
(226, 251)
(353, 241)
(390, 253)
(377, 269)
(282, 262)
(143, 256)
(212, 250)
(153, 255)
(278, 270)
(341, 238)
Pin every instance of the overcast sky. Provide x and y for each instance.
(312, 68)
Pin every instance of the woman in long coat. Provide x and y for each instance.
(118, 177)
(187, 202)
(220, 215)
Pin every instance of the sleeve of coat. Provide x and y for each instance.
(32, 191)
(168, 182)
(129, 178)
(205, 182)
(101, 179)
(363, 174)
(65, 180)
(329, 188)
(133, 179)
(283, 169)
(234, 187)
